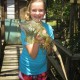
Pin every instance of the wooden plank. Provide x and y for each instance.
(9, 78)
(11, 61)
(12, 46)
(10, 58)
(10, 67)
(9, 72)
(10, 16)
(10, 6)
(9, 13)
(13, 52)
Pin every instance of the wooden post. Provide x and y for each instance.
(2, 20)
(0, 30)
(16, 9)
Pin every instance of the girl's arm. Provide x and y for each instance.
(31, 48)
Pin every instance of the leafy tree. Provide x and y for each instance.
(58, 9)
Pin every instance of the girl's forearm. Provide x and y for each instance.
(33, 49)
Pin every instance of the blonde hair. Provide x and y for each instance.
(27, 15)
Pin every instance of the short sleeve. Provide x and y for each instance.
(51, 32)
(49, 29)
(23, 37)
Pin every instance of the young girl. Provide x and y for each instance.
(33, 60)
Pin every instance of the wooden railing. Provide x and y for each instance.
(55, 69)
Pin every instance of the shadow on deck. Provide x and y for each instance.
(9, 62)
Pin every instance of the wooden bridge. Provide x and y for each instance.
(9, 66)
(10, 58)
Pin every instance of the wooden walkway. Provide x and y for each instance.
(9, 70)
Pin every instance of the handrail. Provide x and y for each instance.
(65, 53)
(64, 49)
(57, 67)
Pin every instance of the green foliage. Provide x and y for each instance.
(52, 23)
(58, 9)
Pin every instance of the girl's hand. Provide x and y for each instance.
(40, 37)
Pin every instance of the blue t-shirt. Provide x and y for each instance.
(27, 64)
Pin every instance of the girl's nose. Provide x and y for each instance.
(37, 12)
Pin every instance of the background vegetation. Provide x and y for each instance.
(64, 17)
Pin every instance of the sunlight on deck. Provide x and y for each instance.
(9, 70)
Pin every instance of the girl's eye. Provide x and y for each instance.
(41, 10)
(34, 10)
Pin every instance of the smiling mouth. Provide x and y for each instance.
(37, 19)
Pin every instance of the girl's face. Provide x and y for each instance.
(37, 11)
